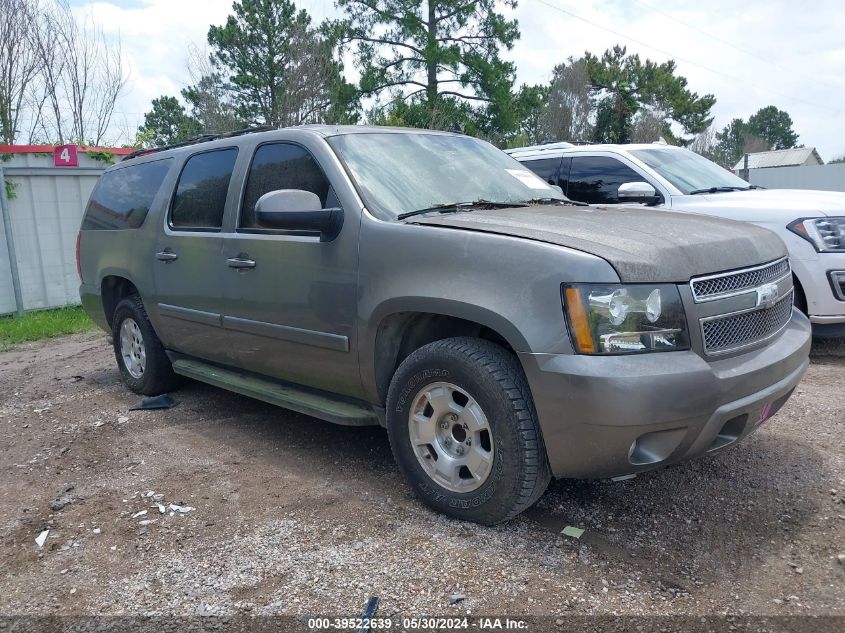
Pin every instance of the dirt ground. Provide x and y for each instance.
(292, 515)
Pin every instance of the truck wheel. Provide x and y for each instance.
(464, 432)
(143, 364)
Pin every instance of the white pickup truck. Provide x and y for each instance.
(811, 223)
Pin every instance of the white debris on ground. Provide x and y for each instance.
(41, 538)
(158, 504)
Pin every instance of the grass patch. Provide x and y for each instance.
(34, 326)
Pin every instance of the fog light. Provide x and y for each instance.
(837, 280)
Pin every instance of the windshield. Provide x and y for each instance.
(397, 173)
(687, 170)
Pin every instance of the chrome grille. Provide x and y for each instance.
(737, 281)
(732, 331)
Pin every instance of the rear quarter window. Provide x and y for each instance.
(123, 197)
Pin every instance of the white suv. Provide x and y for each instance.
(811, 223)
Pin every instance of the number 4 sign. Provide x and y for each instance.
(65, 156)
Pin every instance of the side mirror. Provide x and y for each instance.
(637, 192)
(297, 210)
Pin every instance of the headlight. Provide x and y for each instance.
(826, 234)
(625, 319)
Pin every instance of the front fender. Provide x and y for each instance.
(507, 284)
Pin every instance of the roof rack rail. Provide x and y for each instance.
(202, 138)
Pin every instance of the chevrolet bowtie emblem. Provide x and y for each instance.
(767, 295)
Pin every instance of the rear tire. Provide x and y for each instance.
(143, 363)
(464, 431)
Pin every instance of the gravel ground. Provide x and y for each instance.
(291, 515)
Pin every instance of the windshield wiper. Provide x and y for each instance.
(556, 201)
(454, 207)
(720, 189)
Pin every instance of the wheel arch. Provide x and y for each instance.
(114, 288)
(403, 327)
(800, 300)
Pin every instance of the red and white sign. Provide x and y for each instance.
(66, 156)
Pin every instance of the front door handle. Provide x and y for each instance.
(240, 262)
(166, 256)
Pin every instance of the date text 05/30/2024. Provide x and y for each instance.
(417, 624)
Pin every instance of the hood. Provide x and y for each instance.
(766, 204)
(643, 245)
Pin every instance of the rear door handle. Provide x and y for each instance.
(166, 256)
(238, 262)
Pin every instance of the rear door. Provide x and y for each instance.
(291, 298)
(189, 267)
(546, 168)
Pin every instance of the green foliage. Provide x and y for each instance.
(622, 85)
(730, 143)
(448, 113)
(11, 189)
(166, 123)
(767, 129)
(529, 104)
(104, 156)
(42, 324)
(773, 126)
(5, 158)
(440, 57)
(277, 68)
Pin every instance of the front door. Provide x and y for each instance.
(596, 179)
(190, 268)
(291, 298)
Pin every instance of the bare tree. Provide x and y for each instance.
(47, 90)
(705, 144)
(649, 126)
(208, 99)
(753, 144)
(19, 64)
(567, 113)
(82, 76)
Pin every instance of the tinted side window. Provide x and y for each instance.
(122, 197)
(547, 168)
(563, 179)
(596, 179)
(201, 193)
(281, 166)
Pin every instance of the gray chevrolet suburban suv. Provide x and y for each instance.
(429, 283)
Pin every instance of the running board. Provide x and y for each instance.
(293, 397)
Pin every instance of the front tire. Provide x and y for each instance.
(464, 431)
(143, 363)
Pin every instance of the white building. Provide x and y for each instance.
(797, 156)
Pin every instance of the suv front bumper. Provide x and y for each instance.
(825, 305)
(608, 416)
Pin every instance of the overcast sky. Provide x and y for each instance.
(748, 54)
